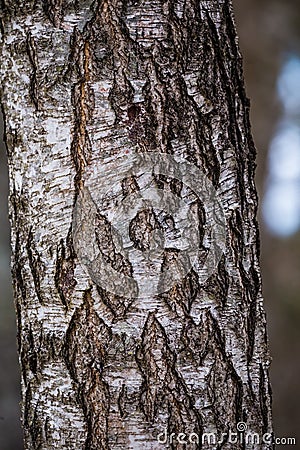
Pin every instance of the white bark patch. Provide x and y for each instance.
(148, 23)
(53, 401)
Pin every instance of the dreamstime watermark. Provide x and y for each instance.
(177, 236)
(239, 436)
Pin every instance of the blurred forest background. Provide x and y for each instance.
(269, 34)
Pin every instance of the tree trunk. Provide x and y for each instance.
(134, 233)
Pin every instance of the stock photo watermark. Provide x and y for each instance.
(239, 436)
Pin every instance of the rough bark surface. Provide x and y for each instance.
(84, 83)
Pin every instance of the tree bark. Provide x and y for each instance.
(126, 121)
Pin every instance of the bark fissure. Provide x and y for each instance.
(65, 267)
(34, 88)
(85, 356)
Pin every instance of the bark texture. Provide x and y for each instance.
(82, 85)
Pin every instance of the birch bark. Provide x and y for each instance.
(127, 335)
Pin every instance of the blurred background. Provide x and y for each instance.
(269, 34)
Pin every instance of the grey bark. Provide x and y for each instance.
(84, 86)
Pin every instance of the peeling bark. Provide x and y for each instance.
(85, 87)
